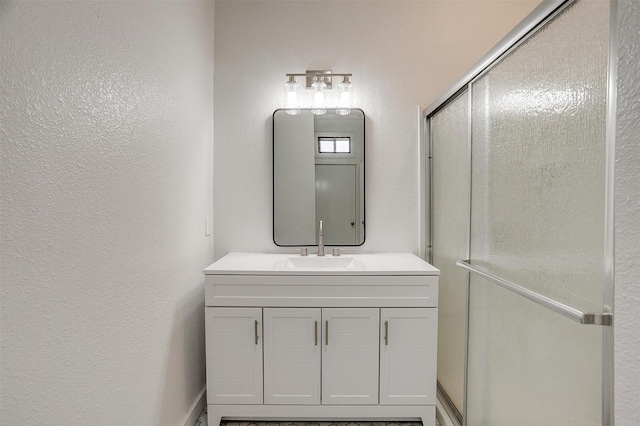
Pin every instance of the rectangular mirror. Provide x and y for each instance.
(318, 174)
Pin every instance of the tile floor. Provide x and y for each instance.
(202, 421)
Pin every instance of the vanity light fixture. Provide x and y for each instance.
(319, 87)
(292, 96)
(320, 81)
(345, 98)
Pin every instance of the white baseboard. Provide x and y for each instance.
(196, 408)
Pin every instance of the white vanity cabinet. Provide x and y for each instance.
(350, 354)
(288, 342)
(408, 356)
(339, 345)
(292, 355)
(234, 355)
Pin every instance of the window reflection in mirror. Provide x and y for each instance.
(318, 174)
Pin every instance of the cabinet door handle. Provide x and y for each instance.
(386, 333)
(326, 333)
(256, 330)
(316, 333)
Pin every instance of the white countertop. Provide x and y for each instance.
(287, 264)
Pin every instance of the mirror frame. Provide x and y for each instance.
(273, 182)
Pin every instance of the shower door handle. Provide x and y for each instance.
(558, 307)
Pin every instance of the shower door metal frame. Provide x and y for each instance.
(539, 17)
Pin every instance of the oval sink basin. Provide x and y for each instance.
(321, 263)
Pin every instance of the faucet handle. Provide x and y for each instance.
(304, 252)
(336, 251)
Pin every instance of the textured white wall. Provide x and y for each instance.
(401, 53)
(627, 218)
(107, 140)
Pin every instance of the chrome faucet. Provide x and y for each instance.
(320, 241)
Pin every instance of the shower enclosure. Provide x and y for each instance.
(521, 224)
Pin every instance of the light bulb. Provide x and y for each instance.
(345, 98)
(319, 87)
(291, 98)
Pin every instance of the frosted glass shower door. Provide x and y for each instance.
(538, 220)
(450, 174)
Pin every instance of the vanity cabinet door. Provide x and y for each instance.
(292, 339)
(408, 355)
(234, 355)
(350, 355)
